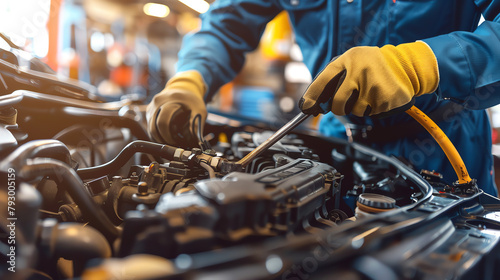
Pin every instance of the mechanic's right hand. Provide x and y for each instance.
(373, 81)
(173, 113)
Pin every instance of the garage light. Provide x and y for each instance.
(198, 5)
(156, 10)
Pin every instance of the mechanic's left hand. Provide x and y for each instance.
(176, 115)
(368, 81)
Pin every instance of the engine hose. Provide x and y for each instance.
(131, 149)
(67, 177)
(38, 148)
(444, 142)
(209, 169)
(78, 242)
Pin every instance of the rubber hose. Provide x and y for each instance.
(38, 148)
(65, 176)
(444, 142)
(78, 242)
(115, 164)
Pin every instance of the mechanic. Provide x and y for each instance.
(394, 53)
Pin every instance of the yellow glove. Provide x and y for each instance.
(172, 114)
(368, 81)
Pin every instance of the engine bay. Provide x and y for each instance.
(86, 194)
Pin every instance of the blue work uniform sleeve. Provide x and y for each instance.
(469, 62)
(229, 29)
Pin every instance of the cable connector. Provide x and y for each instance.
(468, 189)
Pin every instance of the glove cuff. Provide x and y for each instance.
(420, 63)
(188, 81)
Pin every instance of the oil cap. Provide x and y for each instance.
(377, 201)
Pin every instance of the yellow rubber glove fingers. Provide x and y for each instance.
(175, 120)
(372, 86)
(319, 95)
(373, 81)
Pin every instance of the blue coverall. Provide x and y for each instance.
(468, 58)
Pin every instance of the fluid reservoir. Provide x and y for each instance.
(371, 203)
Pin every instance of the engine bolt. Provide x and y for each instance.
(307, 154)
(282, 161)
(210, 152)
(196, 151)
(142, 189)
(134, 179)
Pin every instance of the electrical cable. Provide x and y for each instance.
(204, 145)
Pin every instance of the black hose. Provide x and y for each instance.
(78, 243)
(85, 245)
(115, 164)
(38, 148)
(65, 176)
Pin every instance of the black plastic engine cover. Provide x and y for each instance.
(235, 208)
(277, 199)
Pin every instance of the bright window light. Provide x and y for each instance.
(156, 10)
(109, 40)
(198, 5)
(297, 72)
(97, 41)
(41, 44)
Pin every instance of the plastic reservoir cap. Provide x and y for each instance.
(377, 201)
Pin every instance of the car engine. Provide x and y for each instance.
(86, 194)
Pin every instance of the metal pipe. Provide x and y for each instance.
(10, 99)
(107, 106)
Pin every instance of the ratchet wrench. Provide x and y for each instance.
(278, 135)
